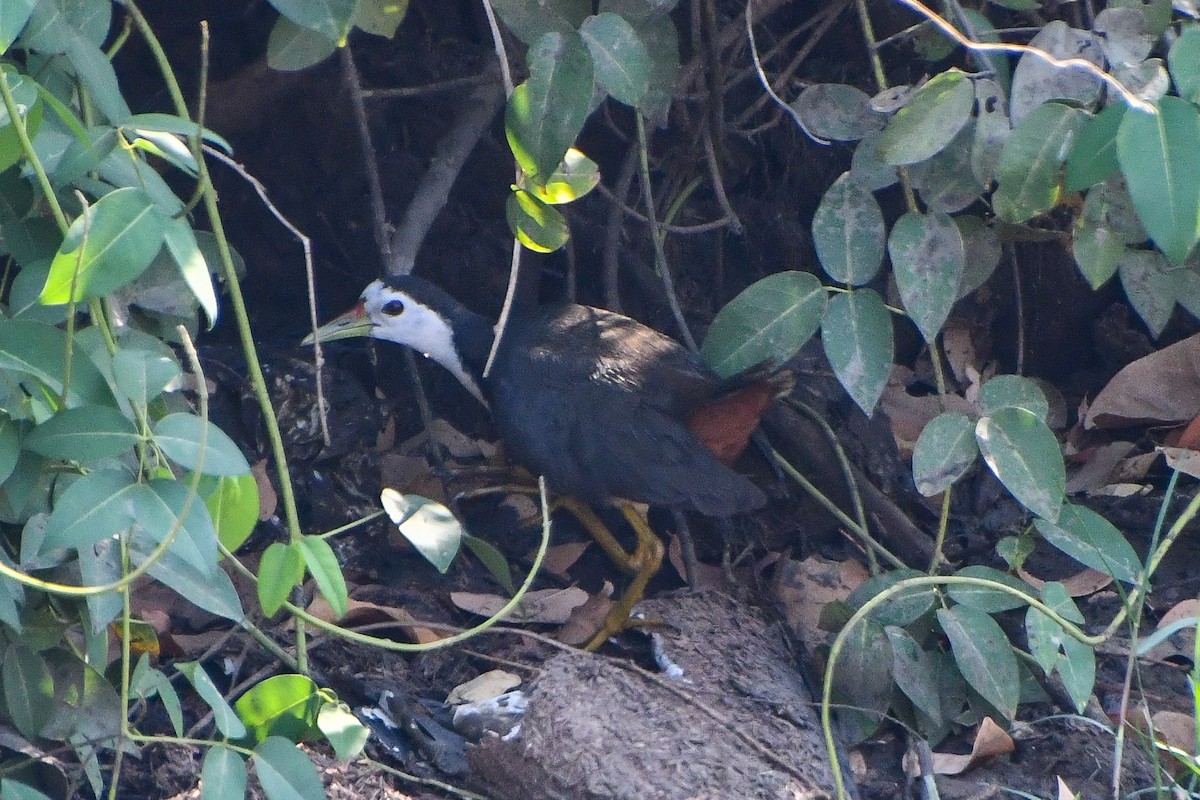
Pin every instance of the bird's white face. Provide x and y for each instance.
(383, 312)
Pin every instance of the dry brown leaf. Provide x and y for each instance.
(909, 414)
(1176, 730)
(707, 576)
(483, 687)
(561, 557)
(267, 499)
(1162, 388)
(1064, 791)
(361, 612)
(587, 618)
(803, 588)
(959, 348)
(1081, 584)
(990, 740)
(549, 606)
(1098, 469)
(1186, 461)
(1181, 643)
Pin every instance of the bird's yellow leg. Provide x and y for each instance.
(642, 563)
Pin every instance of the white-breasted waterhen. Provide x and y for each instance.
(606, 408)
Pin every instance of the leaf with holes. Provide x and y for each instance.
(1023, 453)
(984, 656)
(927, 261)
(769, 321)
(944, 452)
(856, 331)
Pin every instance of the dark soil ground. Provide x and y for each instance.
(735, 720)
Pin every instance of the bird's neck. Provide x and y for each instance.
(472, 342)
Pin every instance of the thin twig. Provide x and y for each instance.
(306, 246)
(405, 92)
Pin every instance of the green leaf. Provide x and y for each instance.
(226, 720)
(10, 446)
(493, 559)
(835, 111)
(1093, 541)
(285, 772)
(330, 18)
(530, 21)
(856, 331)
(292, 47)
(279, 571)
(282, 705)
(170, 123)
(158, 508)
(343, 730)
(105, 248)
(148, 682)
(1024, 455)
(930, 120)
(927, 261)
(232, 502)
(991, 601)
(13, 16)
(904, 606)
(210, 589)
(28, 690)
(946, 181)
(867, 169)
(223, 776)
(1036, 81)
(983, 655)
(179, 437)
(992, 129)
(1013, 391)
(545, 114)
(619, 55)
(323, 565)
(848, 232)
(39, 349)
(768, 321)
(381, 17)
(29, 107)
(915, 673)
(1097, 250)
(1094, 155)
(92, 508)
(944, 452)
(1077, 669)
(1157, 155)
(429, 526)
(661, 38)
(982, 251)
(97, 75)
(862, 677)
(575, 177)
(185, 250)
(536, 225)
(87, 435)
(1151, 286)
(142, 375)
(1184, 62)
(1030, 165)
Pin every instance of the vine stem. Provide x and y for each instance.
(249, 349)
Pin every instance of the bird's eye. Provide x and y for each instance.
(393, 308)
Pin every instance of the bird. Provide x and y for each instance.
(609, 410)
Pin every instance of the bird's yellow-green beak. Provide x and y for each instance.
(353, 323)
